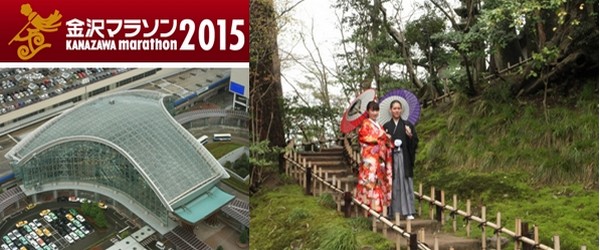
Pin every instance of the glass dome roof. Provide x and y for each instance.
(137, 123)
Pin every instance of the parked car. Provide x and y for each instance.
(44, 212)
(80, 218)
(21, 223)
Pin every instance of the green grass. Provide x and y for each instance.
(238, 185)
(519, 159)
(285, 218)
(219, 149)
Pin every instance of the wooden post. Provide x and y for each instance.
(525, 232)
(299, 176)
(346, 187)
(398, 236)
(347, 204)
(420, 200)
(583, 247)
(374, 224)
(517, 232)
(443, 200)
(431, 206)
(436, 245)
(556, 241)
(339, 204)
(409, 226)
(536, 236)
(308, 180)
(356, 208)
(438, 210)
(287, 168)
(314, 181)
(499, 223)
(320, 183)
(422, 235)
(483, 235)
(468, 220)
(455, 205)
(412, 242)
(384, 230)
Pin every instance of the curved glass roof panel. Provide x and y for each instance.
(137, 122)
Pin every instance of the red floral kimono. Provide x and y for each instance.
(375, 172)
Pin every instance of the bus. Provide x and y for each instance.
(222, 137)
(203, 139)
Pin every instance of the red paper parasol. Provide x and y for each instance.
(411, 108)
(355, 113)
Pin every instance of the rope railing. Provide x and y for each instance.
(306, 170)
(519, 235)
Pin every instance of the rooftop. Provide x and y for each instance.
(137, 124)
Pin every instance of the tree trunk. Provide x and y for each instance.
(266, 94)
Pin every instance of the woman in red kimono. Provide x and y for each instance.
(374, 174)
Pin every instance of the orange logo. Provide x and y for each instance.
(36, 27)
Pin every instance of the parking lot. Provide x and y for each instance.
(65, 232)
(50, 229)
(20, 87)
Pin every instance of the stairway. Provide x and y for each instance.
(332, 161)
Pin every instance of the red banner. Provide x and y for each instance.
(124, 31)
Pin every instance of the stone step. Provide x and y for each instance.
(445, 242)
(328, 152)
(334, 149)
(325, 163)
(432, 229)
(430, 226)
(324, 157)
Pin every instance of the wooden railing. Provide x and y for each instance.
(310, 176)
(436, 199)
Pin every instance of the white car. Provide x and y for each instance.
(47, 218)
(80, 218)
(53, 246)
(74, 236)
(69, 239)
(37, 222)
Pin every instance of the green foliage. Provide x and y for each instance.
(264, 155)
(310, 121)
(360, 223)
(220, 247)
(241, 166)
(291, 220)
(93, 211)
(507, 155)
(124, 234)
(219, 149)
(326, 200)
(545, 57)
(570, 212)
(100, 220)
(490, 135)
(338, 239)
(244, 235)
(298, 214)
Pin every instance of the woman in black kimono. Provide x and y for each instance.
(404, 138)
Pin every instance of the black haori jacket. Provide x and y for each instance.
(409, 146)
